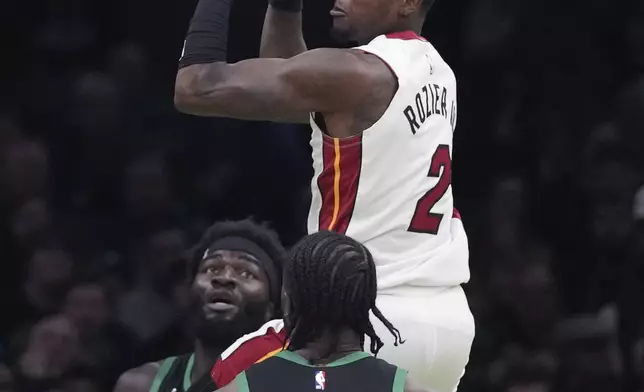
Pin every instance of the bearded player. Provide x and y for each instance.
(383, 116)
(236, 270)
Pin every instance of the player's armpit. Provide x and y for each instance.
(137, 380)
(281, 90)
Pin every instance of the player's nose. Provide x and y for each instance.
(226, 277)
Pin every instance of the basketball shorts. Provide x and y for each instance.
(437, 328)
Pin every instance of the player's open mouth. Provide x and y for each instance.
(221, 301)
(220, 306)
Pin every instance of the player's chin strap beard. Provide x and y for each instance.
(207, 38)
(221, 333)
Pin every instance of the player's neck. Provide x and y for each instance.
(413, 23)
(205, 358)
(331, 346)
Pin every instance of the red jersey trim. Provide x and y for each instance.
(248, 350)
(338, 181)
(405, 35)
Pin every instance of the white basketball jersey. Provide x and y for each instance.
(390, 186)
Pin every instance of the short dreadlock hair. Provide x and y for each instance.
(259, 233)
(331, 282)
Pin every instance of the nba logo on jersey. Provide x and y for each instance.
(320, 380)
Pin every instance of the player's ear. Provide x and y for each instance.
(410, 6)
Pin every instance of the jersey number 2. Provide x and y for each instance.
(424, 220)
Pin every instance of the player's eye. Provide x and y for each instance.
(246, 274)
(213, 270)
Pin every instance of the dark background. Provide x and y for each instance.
(104, 185)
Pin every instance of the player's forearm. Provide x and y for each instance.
(282, 33)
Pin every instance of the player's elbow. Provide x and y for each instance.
(184, 102)
(186, 91)
(195, 89)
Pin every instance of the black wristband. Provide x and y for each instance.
(207, 38)
(287, 5)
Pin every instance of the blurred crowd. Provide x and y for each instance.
(104, 186)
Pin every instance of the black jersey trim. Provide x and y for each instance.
(293, 357)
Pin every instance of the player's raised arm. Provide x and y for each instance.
(322, 80)
(282, 33)
(285, 90)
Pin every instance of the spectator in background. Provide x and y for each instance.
(6, 379)
(147, 189)
(81, 380)
(588, 352)
(32, 226)
(105, 347)
(149, 308)
(148, 202)
(520, 370)
(10, 131)
(50, 353)
(49, 273)
(25, 171)
(96, 110)
(631, 301)
(127, 65)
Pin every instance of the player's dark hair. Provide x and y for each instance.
(331, 282)
(259, 233)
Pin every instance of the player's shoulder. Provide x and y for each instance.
(402, 49)
(248, 350)
(138, 379)
(342, 62)
(271, 330)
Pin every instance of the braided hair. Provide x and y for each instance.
(331, 283)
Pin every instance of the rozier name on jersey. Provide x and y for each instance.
(429, 101)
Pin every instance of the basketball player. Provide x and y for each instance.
(383, 116)
(236, 269)
(329, 290)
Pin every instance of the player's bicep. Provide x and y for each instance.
(324, 80)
